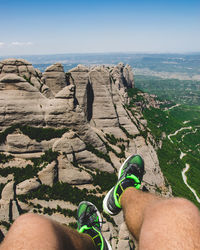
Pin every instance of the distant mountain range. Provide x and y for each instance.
(166, 65)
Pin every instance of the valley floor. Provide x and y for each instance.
(179, 130)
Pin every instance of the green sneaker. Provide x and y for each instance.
(89, 222)
(130, 175)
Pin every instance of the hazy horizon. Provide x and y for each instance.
(106, 53)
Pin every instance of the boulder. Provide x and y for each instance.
(54, 77)
(48, 174)
(70, 174)
(90, 160)
(57, 67)
(27, 186)
(15, 211)
(8, 192)
(19, 143)
(123, 244)
(123, 232)
(69, 144)
(4, 210)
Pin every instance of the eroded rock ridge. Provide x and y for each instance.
(63, 136)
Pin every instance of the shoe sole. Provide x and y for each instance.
(108, 244)
(105, 207)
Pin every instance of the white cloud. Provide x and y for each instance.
(21, 43)
(1, 44)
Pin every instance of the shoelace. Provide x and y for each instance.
(130, 170)
(88, 219)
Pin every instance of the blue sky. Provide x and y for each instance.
(50, 27)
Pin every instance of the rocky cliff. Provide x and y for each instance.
(63, 137)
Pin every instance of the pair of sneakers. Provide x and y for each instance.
(89, 218)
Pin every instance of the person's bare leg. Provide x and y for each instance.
(134, 203)
(161, 223)
(35, 232)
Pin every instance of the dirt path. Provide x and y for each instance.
(174, 106)
(177, 131)
(187, 166)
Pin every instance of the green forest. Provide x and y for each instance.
(182, 147)
(183, 92)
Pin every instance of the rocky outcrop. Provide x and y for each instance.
(19, 143)
(27, 186)
(8, 191)
(103, 110)
(80, 77)
(122, 76)
(7, 197)
(100, 132)
(23, 103)
(69, 143)
(54, 77)
(99, 95)
(48, 174)
(70, 174)
(20, 102)
(25, 70)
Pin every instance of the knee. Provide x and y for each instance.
(170, 222)
(182, 205)
(182, 202)
(27, 218)
(187, 208)
(177, 207)
(31, 231)
(30, 221)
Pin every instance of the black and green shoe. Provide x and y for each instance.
(130, 175)
(89, 222)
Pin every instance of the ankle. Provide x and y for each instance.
(128, 194)
(125, 185)
(94, 235)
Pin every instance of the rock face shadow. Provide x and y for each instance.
(90, 100)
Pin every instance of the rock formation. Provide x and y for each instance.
(54, 77)
(65, 130)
